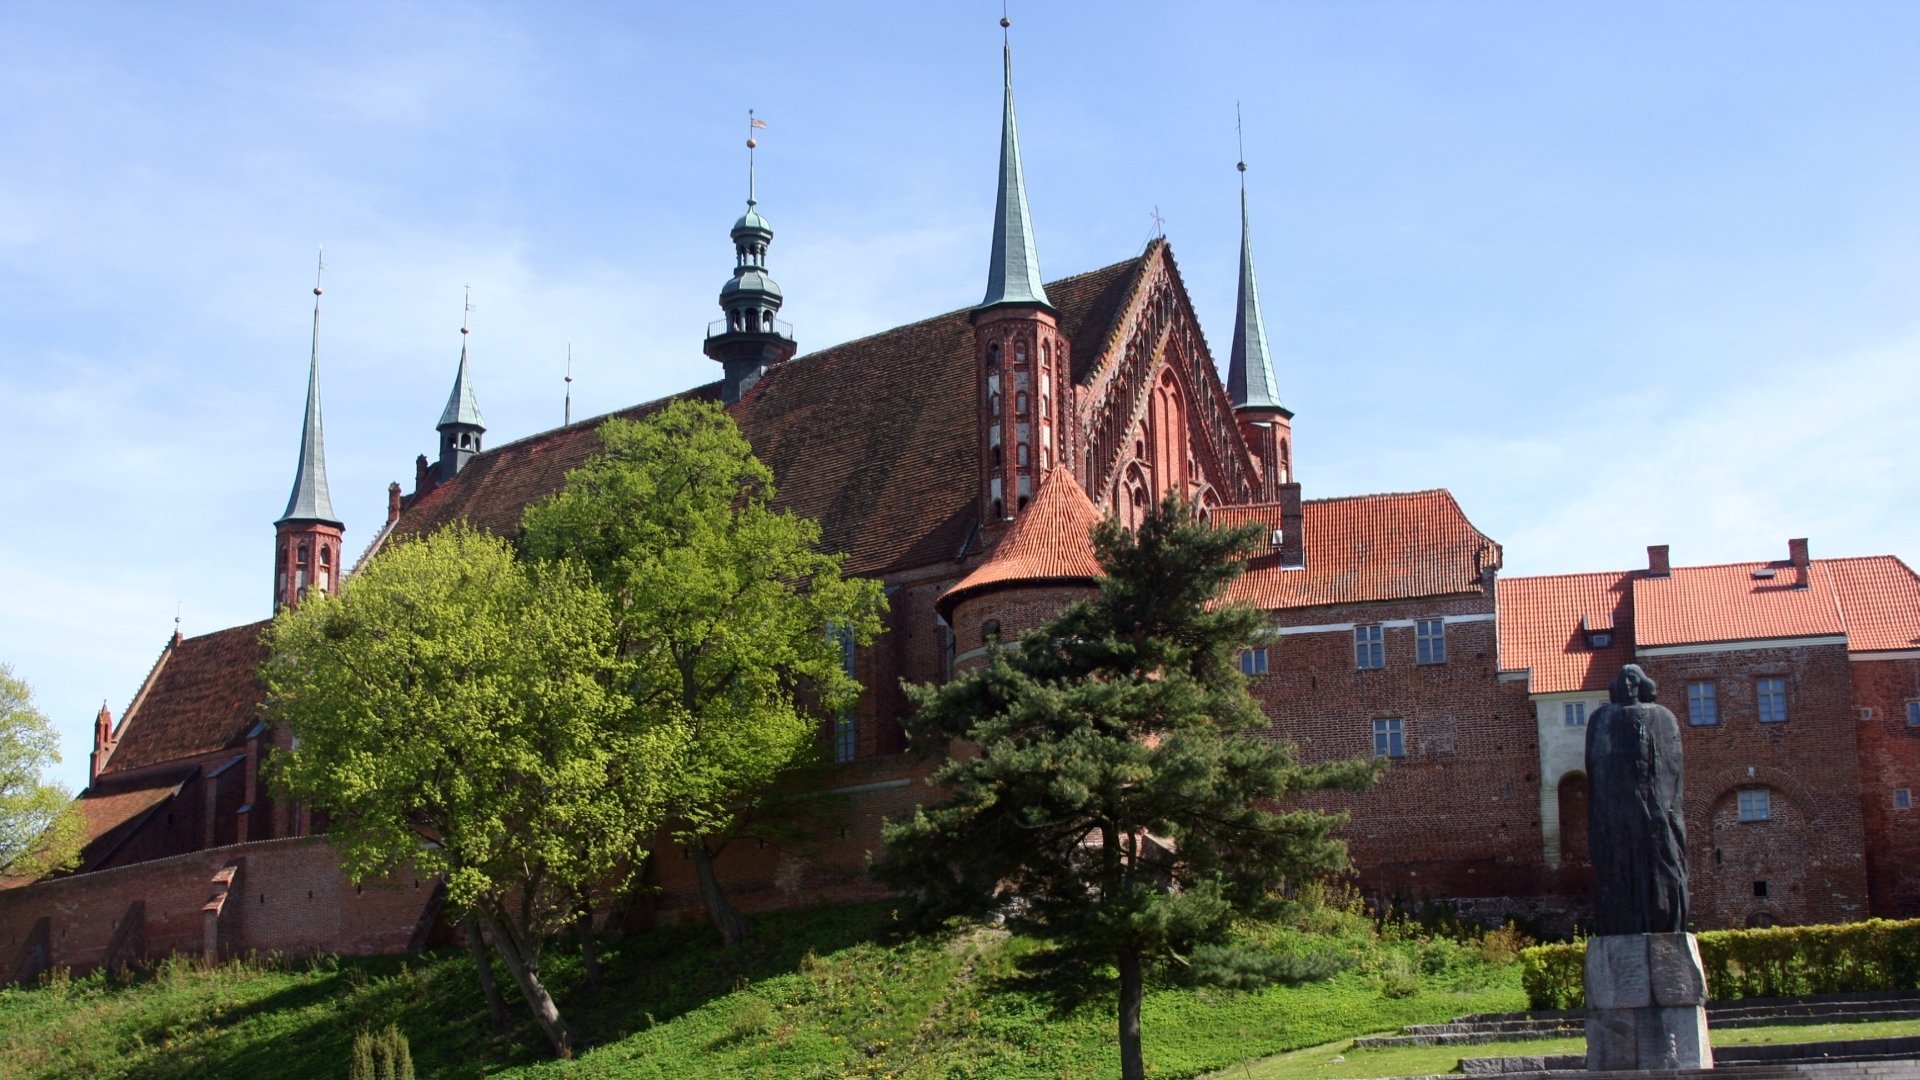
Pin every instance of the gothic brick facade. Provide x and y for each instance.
(958, 460)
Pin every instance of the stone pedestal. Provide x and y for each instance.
(1646, 1003)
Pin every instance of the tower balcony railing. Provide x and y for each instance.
(770, 327)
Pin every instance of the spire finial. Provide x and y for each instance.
(754, 124)
(567, 416)
(1240, 137)
(466, 312)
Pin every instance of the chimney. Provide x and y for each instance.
(1293, 545)
(1797, 554)
(393, 501)
(1657, 564)
(422, 476)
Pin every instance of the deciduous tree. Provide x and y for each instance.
(453, 710)
(1119, 800)
(40, 830)
(733, 620)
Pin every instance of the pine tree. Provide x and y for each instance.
(1120, 802)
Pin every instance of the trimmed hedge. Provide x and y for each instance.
(1781, 961)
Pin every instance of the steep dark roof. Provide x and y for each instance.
(875, 439)
(205, 695)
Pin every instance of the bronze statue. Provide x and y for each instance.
(1635, 834)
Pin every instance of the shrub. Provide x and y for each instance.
(1787, 961)
(381, 1055)
(1503, 944)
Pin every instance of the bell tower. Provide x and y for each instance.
(1023, 364)
(307, 537)
(460, 424)
(749, 340)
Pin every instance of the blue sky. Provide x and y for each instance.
(1616, 273)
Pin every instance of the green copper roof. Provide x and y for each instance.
(1250, 382)
(310, 500)
(1013, 276)
(463, 409)
(751, 221)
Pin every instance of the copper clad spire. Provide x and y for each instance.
(310, 500)
(1013, 275)
(1250, 381)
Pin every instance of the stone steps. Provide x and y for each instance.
(1564, 1023)
(1731, 1060)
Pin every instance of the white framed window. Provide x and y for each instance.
(1770, 696)
(1755, 805)
(1369, 647)
(1253, 662)
(1913, 714)
(1703, 705)
(1574, 714)
(1902, 799)
(1430, 641)
(1389, 738)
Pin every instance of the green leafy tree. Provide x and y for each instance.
(1119, 802)
(733, 620)
(452, 712)
(40, 830)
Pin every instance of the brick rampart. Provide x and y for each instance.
(286, 896)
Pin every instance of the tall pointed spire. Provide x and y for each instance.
(1250, 381)
(460, 424)
(1013, 275)
(310, 500)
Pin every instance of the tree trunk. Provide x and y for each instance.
(523, 964)
(726, 918)
(1132, 1065)
(589, 944)
(483, 970)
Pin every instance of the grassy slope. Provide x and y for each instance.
(821, 994)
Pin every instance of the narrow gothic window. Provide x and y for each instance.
(996, 455)
(1020, 454)
(1020, 403)
(993, 405)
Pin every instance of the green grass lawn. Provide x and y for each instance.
(1339, 1061)
(813, 994)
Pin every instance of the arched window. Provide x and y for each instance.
(993, 405)
(996, 454)
(1020, 403)
(1020, 454)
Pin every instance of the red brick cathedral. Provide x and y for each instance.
(960, 460)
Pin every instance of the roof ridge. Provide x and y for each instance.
(1573, 574)
(1385, 495)
(1126, 302)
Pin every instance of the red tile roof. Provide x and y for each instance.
(206, 696)
(1049, 542)
(1874, 601)
(1365, 548)
(1541, 621)
(1880, 598)
(875, 439)
(1703, 604)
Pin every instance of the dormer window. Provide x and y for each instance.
(1598, 637)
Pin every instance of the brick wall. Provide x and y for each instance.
(287, 896)
(826, 864)
(1810, 849)
(1889, 753)
(1455, 817)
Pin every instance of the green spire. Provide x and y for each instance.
(310, 500)
(1250, 381)
(1013, 276)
